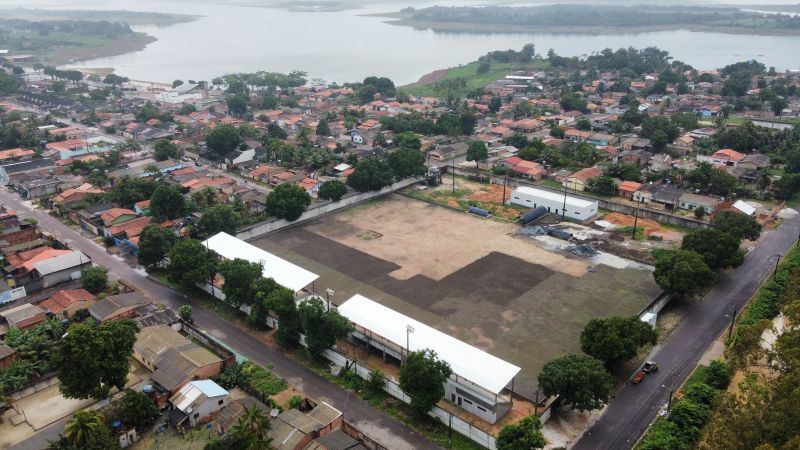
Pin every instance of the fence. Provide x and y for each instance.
(319, 209)
(392, 388)
(642, 211)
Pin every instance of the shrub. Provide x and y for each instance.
(295, 402)
(718, 374)
(376, 382)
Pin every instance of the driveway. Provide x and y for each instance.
(388, 431)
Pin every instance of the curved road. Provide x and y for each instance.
(387, 430)
(634, 406)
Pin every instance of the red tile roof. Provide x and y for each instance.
(63, 299)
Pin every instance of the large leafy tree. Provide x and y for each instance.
(323, 328)
(240, 276)
(523, 435)
(94, 279)
(282, 302)
(602, 185)
(223, 139)
(219, 218)
(407, 162)
(165, 149)
(422, 378)
(407, 139)
(94, 358)
(477, 151)
(580, 380)
(683, 272)
(719, 249)
(154, 244)
(136, 409)
(288, 201)
(332, 190)
(370, 174)
(190, 263)
(616, 338)
(737, 224)
(167, 203)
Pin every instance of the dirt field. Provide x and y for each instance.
(472, 193)
(475, 278)
(649, 226)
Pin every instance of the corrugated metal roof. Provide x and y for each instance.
(474, 364)
(553, 196)
(283, 272)
(62, 262)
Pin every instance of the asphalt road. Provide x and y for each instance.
(390, 432)
(634, 406)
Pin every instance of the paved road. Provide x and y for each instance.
(390, 432)
(635, 405)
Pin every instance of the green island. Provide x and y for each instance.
(59, 37)
(595, 19)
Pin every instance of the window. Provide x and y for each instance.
(221, 401)
(482, 408)
(528, 201)
(467, 402)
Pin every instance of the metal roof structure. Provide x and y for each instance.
(471, 363)
(283, 272)
(572, 201)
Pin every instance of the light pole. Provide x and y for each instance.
(733, 321)
(777, 262)
(505, 179)
(564, 207)
(328, 294)
(636, 216)
(409, 330)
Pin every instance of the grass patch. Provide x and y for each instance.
(551, 184)
(261, 379)
(628, 231)
(469, 73)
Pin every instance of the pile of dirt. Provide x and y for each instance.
(492, 194)
(649, 226)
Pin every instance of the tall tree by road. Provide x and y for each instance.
(422, 378)
(240, 276)
(523, 435)
(154, 244)
(85, 429)
(580, 381)
(407, 162)
(191, 263)
(94, 358)
(223, 139)
(477, 151)
(737, 224)
(167, 203)
(683, 272)
(164, 149)
(323, 328)
(616, 338)
(719, 249)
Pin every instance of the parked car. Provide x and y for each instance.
(650, 367)
(638, 377)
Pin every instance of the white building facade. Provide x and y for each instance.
(557, 203)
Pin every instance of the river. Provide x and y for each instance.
(347, 45)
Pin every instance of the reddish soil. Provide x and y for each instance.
(650, 226)
(429, 78)
(492, 194)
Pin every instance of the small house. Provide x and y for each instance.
(578, 180)
(24, 316)
(119, 306)
(196, 402)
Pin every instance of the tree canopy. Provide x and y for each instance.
(683, 272)
(332, 190)
(167, 203)
(154, 244)
(477, 151)
(223, 139)
(422, 378)
(719, 249)
(190, 262)
(407, 162)
(94, 358)
(94, 279)
(580, 380)
(240, 276)
(738, 225)
(523, 435)
(288, 201)
(370, 174)
(616, 338)
(322, 328)
(217, 218)
(164, 149)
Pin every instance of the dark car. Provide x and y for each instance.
(650, 367)
(638, 377)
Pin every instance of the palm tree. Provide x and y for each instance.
(251, 429)
(82, 426)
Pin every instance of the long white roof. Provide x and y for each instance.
(474, 364)
(745, 207)
(283, 272)
(554, 196)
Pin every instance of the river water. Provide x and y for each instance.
(347, 46)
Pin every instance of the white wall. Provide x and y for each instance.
(573, 212)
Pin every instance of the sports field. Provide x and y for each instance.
(477, 279)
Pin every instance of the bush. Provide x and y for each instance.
(231, 377)
(376, 382)
(295, 402)
(185, 312)
(701, 393)
(261, 380)
(94, 279)
(718, 375)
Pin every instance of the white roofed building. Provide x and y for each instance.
(478, 378)
(557, 203)
(196, 401)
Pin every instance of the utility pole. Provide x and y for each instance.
(409, 330)
(636, 217)
(777, 262)
(564, 208)
(505, 179)
(453, 166)
(733, 321)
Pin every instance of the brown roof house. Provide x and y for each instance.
(293, 430)
(24, 316)
(7, 356)
(68, 301)
(122, 306)
(173, 358)
(578, 180)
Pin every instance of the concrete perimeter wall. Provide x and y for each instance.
(318, 209)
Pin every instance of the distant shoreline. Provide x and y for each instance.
(401, 19)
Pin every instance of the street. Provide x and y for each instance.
(388, 431)
(634, 406)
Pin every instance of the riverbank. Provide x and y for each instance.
(67, 49)
(401, 19)
(129, 17)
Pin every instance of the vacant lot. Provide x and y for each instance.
(475, 278)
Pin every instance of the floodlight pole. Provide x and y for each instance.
(328, 293)
(564, 208)
(636, 216)
(409, 330)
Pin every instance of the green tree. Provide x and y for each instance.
(583, 125)
(94, 358)
(332, 190)
(422, 378)
(275, 131)
(683, 272)
(219, 218)
(282, 302)
(164, 149)
(580, 381)
(288, 201)
(8, 84)
(523, 435)
(738, 225)
(602, 185)
(185, 313)
(190, 262)
(494, 104)
(407, 139)
(136, 409)
(719, 249)
(407, 162)
(237, 104)
(366, 93)
(251, 431)
(167, 203)
(718, 374)
(370, 174)
(223, 139)
(323, 328)
(557, 132)
(154, 244)
(94, 279)
(616, 338)
(322, 128)
(477, 151)
(239, 275)
(84, 428)
(659, 141)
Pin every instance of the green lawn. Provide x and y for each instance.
(473, 80)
